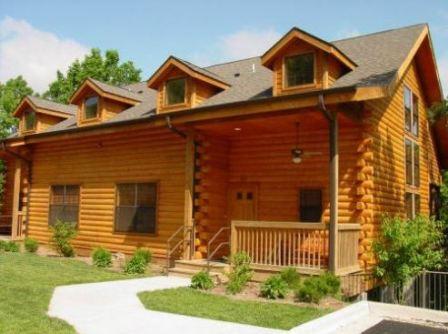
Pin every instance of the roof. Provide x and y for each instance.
(37, 102)
(378, 58)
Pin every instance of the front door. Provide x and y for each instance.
(243, 201)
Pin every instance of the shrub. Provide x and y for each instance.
(2, 244)
(63, 233)
(274, 287)
(315, 288)
(101, 257)
(240, 274)
(136, 265)
(291, 277)
(11, 246)
(31, 245)
(202, 281)
(331, 283)
(144, 253)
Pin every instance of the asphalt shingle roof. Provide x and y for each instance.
(119, 91)
(377, 55)
(69, 109)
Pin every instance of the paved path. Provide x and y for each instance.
(114, 308)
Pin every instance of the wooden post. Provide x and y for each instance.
(16, 198)
(334, 190)
(190, 152)
(233, 238)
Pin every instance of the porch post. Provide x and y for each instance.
(16, 198)
(334, 190)
(190, 152)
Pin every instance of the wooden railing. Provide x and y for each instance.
(301, 245)
(274, 244)
(15, 228)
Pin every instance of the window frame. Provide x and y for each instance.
(285, 75)
(299, 203)
(413, 197)
(414, 111)
(25, 128)
(50, 202)
(415, 182)
(156, 208)
(98, 109)
(165, 88)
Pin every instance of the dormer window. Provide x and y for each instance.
(30, 120)
(175, 91)
(91, 107)
(299, 70)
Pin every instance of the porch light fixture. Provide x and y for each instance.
(237, 129)
(296, 155)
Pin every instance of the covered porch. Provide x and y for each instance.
(252, 194)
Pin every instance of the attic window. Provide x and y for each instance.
(175, 91)
(91, 107)
(299, 70)
(30, 120)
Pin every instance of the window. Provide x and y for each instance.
(91, 107)
(136, 207)
(299, 70)
(175, 91)
(411, 112)
(30, 120)
(310, 205)
(64, 204)
(412, 205)
(412, 151)
(435, 202)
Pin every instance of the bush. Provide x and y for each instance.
(274, 287)
(240, 274)
(291, 277)
(202, 281)
(11, 246)
(136, 265)
(63, 233)
(31, 245)
(2, 244)
(101, 257)
(315, 288)
(144, 253)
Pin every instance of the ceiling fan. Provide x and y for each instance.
(297, 153)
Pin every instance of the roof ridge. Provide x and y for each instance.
(189, 63)
(112, 85)
(378, 32)
(231, 61)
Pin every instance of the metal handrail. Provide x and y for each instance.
(170, 250)
(220, 245)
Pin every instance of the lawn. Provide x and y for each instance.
(191, 302)
(26, 285)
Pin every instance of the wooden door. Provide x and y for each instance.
(243, 202)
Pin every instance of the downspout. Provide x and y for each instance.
(332, 118)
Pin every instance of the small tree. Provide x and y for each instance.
(405, 248)
(63, 233)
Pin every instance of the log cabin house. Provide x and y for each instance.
(292, 156)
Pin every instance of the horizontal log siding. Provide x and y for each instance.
(385, 125)
(97, 164)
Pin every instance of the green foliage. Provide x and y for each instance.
(105, 68)
(31, 245)
(11, 246)
(136, 265)
(438, 111)
(101, 257)
(406, 247)
(291, 277)
(240, 274)
(274, 287)
(144, 253)
(2, 244)
(202, 281)
(63, 233)
(315, 288)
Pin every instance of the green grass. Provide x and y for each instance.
(27, 282)
(191, 302)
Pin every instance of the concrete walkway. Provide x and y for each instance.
(114, 308)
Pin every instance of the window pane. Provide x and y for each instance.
(146, 194)
(407, 108)
(417, 204)
(310, 205)
(299, 70)
(175, 91)
(126, 194)
(415, 115)
(124, 219)
(416, 165)
(91, 107)
(408, 206)
(57, 194)
(408, 149)
(71, 194)
(56, 212)
(30, 120)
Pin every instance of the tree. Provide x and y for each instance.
(11, 93)
(438, 111)
(106, 69)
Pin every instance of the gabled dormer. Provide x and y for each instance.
(36, 114)
(302, 62)
(182, 85)
(97, 102)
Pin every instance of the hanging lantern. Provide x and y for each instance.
(297, 152)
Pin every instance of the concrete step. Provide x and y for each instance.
(199, 265)
(217, 277)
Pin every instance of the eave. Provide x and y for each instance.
(26, 101)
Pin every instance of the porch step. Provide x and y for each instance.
(188, 268)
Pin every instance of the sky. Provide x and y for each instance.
(39, 37)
